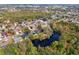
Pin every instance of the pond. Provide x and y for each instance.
(47, 42)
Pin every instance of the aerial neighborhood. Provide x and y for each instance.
(39, 27)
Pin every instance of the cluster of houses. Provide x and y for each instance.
(18, 31)
(67, 14)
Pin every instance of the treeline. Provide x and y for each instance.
(24, 15)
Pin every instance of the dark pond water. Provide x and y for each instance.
(47, 42)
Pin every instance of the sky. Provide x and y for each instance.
(39, 1)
